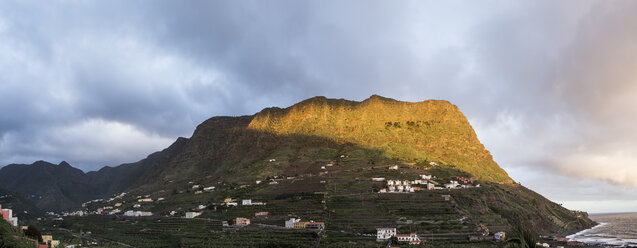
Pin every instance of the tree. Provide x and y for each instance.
(33, 232)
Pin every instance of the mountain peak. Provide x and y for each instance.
(413, 132)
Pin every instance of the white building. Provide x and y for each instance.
(232, 204)
(430, 186)
(412, 238)
(425, 177)
(190, 215)
(499, 236)
(290, 223)
(137, 205)
(452, 184)
(258, 181)
(378, 179)
(393, 167)
(211, 188)
(246, 202)
(201, 207)
(385, 233)
(132, 213)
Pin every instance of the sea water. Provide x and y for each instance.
(613, 229)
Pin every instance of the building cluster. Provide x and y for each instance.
(49, 242)
(425, 182)
(383, 234)
(241, 221)
(298, 224)
(132, 213)
(7, 214)
(407, 186)
(245, 202)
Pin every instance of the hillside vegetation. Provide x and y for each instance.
(417, 132)
(314, 160)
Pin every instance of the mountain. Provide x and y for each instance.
(22, 206)
(319, 155)
(58, 187)
(411, 132)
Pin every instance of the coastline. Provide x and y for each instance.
(615, 230)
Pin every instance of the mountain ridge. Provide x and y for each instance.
(361, 139)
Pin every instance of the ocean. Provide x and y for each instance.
(613, 229)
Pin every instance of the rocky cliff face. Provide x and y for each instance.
(418, 132)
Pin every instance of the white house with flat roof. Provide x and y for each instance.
(385, 233)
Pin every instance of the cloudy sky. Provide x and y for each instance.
(549, 86)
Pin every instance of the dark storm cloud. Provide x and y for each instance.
(129, 77)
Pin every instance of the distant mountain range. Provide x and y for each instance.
(61, 186)
(374, 133)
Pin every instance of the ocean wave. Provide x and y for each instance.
(580, 233)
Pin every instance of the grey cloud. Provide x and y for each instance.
(555, 77)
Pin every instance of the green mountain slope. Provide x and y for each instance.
(293, 147)
(411, 132)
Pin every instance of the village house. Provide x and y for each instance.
(7, 214)
(499, 236)
(241, 221)
(257, 181)
(299, 225)
(412, 238)
(378, 179)
(246, 202)
(48, 239)
(463, 180)
(315, 225)
(191, 215)
(198, 192)
(385, 233)
(145, 200)
(426, 177)
(132, 213)
(137, 206)
(201, 206)
(290, 223)
(393, 167)
(452, 184)
(196, 186)
(261, 213)
(207, 189)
